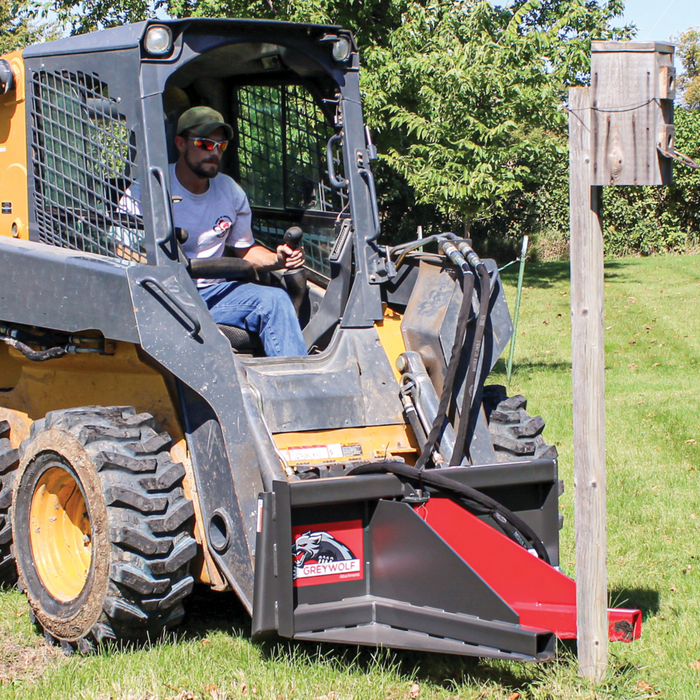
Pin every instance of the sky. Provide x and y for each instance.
(659, 20)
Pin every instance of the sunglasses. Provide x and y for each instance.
(208, 144)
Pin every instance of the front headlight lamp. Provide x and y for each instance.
(159, 40)
(341, 49)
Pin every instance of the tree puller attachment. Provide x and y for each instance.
(376, 491)
(429, 556)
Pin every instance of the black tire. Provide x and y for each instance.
(9, 460)
(515, 434)
(111, 478)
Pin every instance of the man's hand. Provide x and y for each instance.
(265, 260)
(290, 258)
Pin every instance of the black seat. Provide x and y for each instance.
(229, 268)
(242, 342)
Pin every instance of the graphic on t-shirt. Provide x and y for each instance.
(222, 225)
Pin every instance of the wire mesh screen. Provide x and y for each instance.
(282, 137)
(84, 161)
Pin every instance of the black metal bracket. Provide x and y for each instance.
(196, 325)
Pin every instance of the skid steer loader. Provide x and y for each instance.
(374, 492)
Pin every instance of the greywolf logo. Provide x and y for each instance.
(329, 556)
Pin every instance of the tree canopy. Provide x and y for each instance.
(465, 99)
(688, 48)
(19, 25)
(464, 96)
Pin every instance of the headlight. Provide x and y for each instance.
(159, 40)
(341, 49)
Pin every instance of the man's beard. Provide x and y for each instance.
(199, 168)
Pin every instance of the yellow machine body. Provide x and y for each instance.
(14, 204)
(121, 377)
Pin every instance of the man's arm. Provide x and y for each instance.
(265, 260)
(258, 256)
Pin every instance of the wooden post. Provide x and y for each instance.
(620, 133)
(588, 365)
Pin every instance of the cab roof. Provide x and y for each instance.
(129, 36)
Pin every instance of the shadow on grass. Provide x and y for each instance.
(442, 670)
(209, 611)
(644, 599)
(546, 275)
(540, 275)
(539, 366)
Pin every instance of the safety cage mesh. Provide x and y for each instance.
(84, 160)
(281, 150)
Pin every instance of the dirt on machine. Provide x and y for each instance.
(377, 491)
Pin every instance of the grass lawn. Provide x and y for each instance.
(653, 440)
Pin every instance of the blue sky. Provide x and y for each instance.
(659, 20)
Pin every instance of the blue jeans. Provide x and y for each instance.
(267, 311)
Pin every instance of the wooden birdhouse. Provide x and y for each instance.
(633, 86)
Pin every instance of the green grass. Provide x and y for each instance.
(653, 447)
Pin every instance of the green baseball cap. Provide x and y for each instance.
(201, 121)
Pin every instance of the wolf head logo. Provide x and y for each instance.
(320, 547)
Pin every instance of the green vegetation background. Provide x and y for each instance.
(466, 102)
(652, 344)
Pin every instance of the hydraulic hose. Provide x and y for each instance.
(37, 355)
(474, 501)
(409, 410)
(403, 249)
(448, 385)
(465, 414)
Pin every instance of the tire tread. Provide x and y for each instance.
(515, 434)
(150, 520)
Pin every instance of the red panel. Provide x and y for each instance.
(328, 553)
(542, 596)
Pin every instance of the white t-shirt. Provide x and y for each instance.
(214, 219)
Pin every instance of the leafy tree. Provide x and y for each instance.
(688, 47)
(370, 19)
(466, 96)
(21, 25)
(463, 95)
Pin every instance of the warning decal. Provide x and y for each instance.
(315, 453)
(328, 552)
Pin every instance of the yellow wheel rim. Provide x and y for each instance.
(60, 534)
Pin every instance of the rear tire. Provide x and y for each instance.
(515, 434)
(9, 460)
(103, 532)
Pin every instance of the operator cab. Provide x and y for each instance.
(283, 109)
(103, 117)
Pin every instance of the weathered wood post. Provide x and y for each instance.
(588, 365)
(620, 133)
